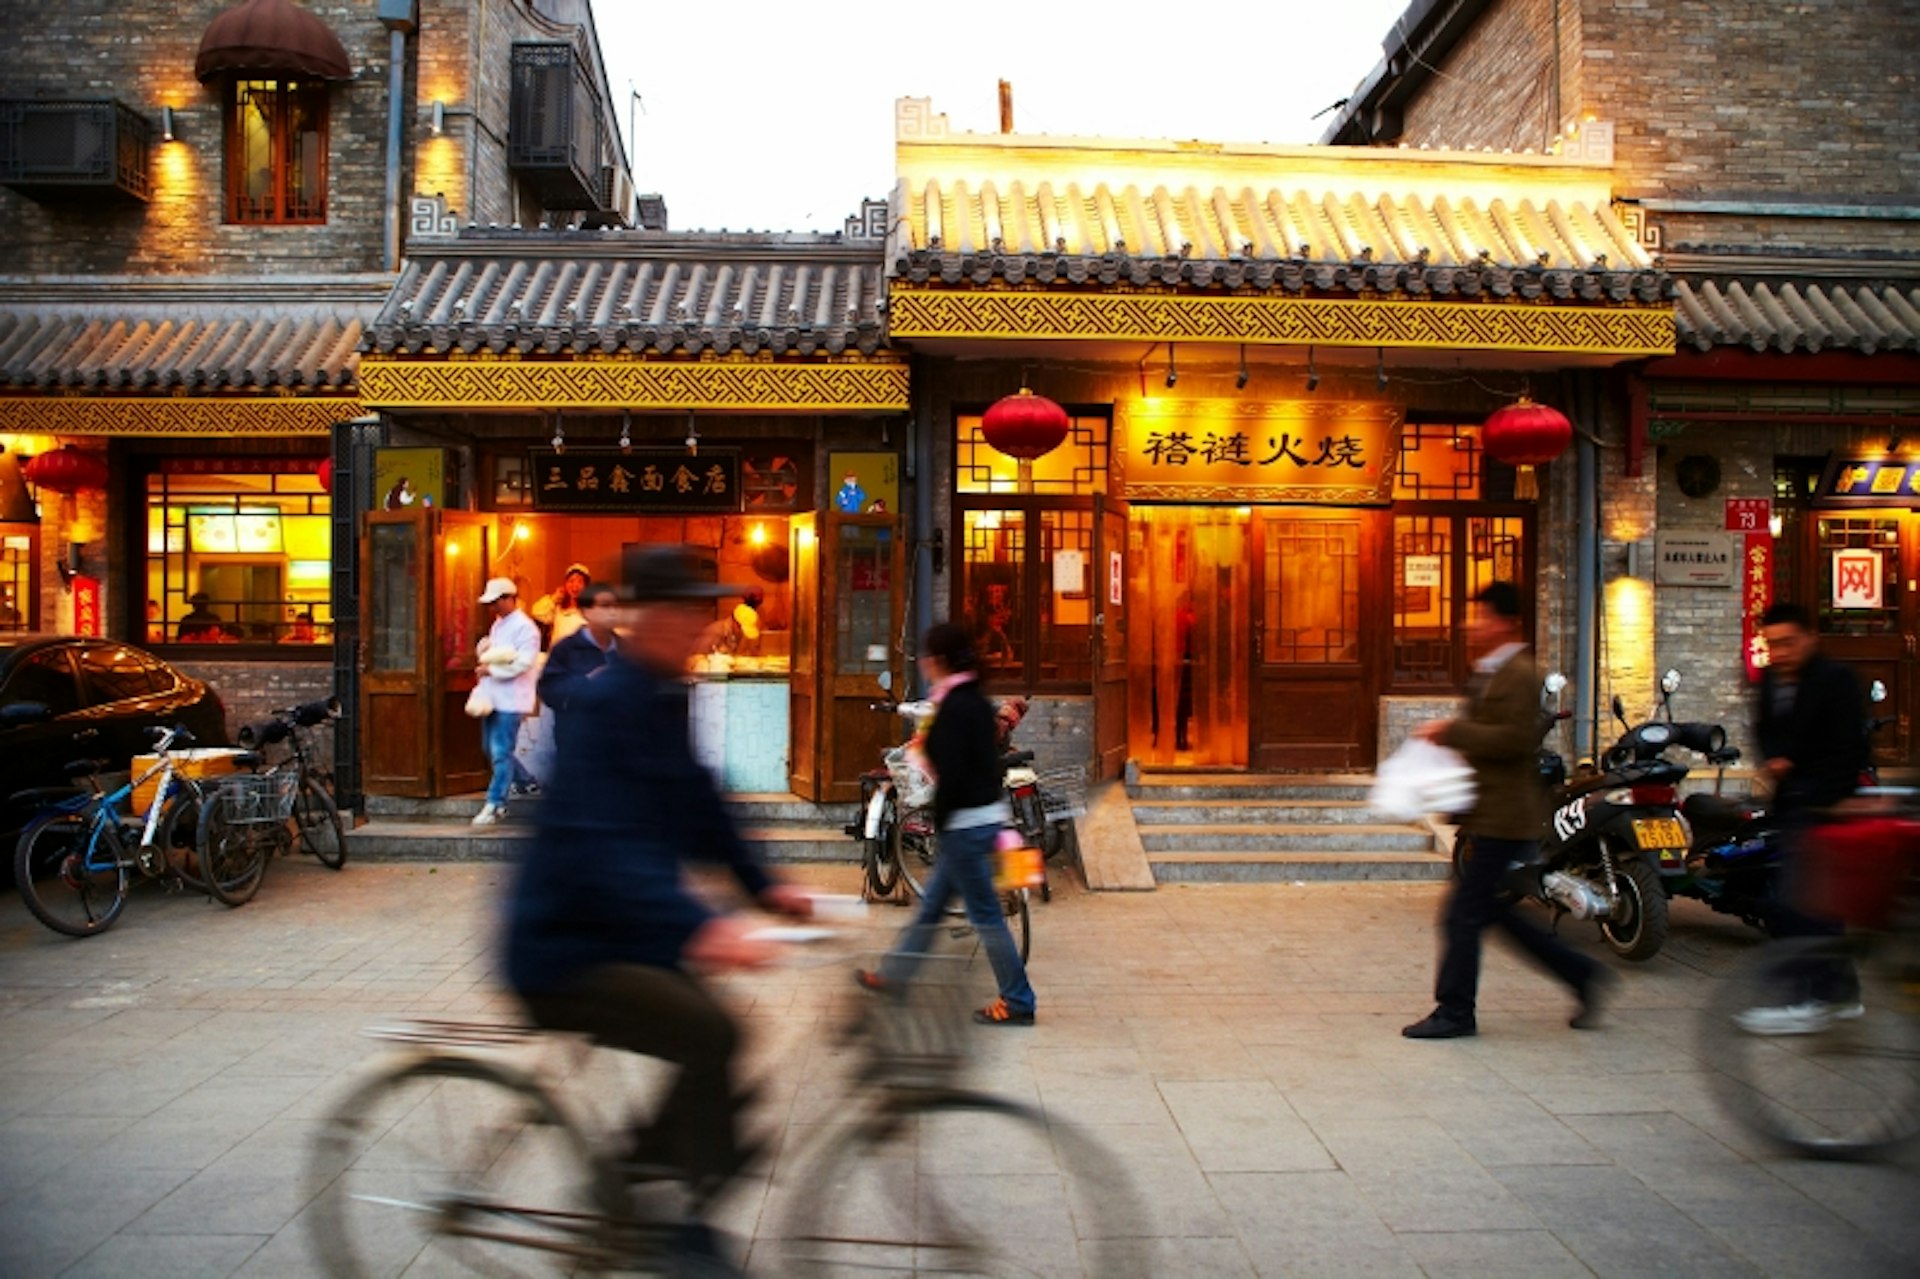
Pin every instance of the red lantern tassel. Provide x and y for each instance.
(1526, 486)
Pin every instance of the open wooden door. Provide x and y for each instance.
(863, 599)
(1109, 637)
(422, 571)
(803, 682)
(1881, 642)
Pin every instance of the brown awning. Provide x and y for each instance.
(271, 35)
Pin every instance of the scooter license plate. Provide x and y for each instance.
(1658, 832)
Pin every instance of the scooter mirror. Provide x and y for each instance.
(886, 681)
(1556, 682)
(1620, 711)
(1877, 691)
(1670, 682)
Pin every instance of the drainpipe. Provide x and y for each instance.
(1587, 579)
(920, 470)
(400, 17)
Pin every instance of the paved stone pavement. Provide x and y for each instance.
(1237, 1046)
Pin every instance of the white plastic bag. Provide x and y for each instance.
(1420, 778)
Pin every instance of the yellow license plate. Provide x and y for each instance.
(1659, 832)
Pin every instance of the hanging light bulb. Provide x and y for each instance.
(626, 432)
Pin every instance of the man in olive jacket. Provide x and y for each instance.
(1500, 736)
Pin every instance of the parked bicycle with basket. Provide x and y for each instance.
(318, 830)
(244, 821)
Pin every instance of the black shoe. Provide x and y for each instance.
(1594, 995)
(1439, 1025)
(526, 788)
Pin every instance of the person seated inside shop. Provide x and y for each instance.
(202, 625)
(301, 632)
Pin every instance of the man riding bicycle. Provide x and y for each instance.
(602, 935)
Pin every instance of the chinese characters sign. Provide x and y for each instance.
(86, 605)
(1748, 514)
(1230, 451)
(1857, 579)
(1878, 481)
(637, 481)
(1694, 559)
(1756, 592)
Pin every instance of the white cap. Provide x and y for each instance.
(498, 588)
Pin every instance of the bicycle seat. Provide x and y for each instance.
(262, 734)
(248, 759)
(85, 767)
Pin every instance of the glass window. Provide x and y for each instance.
(238, 556)
(1065, 636)
(394, 577)
(1078, 466)
(993, 578)
(114, 674)
(1312, 586)
(1423, 619)
(46, 677)
(864, 592)
(18, 553)
(1878, 534)
(1438, 462)
(277, 152)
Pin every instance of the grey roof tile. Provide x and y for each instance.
(1797, 315)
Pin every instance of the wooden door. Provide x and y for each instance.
(1879, 643)
(863, 566)
(1109, 638)
(397, 653)
(1319, 580)
(803, 681)
(460, 568)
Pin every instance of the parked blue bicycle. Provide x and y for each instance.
(74, 861)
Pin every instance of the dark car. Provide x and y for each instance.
(64, 698)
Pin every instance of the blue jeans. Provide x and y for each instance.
(965, 866)
(500, 731)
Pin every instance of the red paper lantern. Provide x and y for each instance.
(1527, 435)
(1026, 426)
(68, 471)
(324, 473)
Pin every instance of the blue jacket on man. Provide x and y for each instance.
(570, 663)
(602, 881)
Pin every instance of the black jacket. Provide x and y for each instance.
(1824, 734)
(568, 666)
(962, 747)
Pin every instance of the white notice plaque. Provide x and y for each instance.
(1694, 559)
(1422, 570)
(1069, 573)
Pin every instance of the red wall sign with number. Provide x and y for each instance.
(1748, 514)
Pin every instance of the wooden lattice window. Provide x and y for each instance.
(277, 152)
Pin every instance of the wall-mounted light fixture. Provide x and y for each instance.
(1380, 367)
(626, 431)
(69, 564)
(166, 124)
(1313, 373)
(1240, 382)
(439, 117)
(693, 437)
(1173, 373)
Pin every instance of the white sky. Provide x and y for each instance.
(780, 116)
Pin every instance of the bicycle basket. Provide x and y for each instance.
(259, 797)
(918, 1032)
(910, 781)
(1063, 792)
(1855, 871)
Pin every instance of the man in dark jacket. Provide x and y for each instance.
(602, 933)
(1500, 736)
(1811, 723)
(581, 656)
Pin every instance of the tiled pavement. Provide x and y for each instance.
(1236, 1046)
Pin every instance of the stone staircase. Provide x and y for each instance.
(1230, 827)
(785, 828)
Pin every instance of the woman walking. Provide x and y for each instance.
(970, 810)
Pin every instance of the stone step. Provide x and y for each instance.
(1221, 866)
(457, 841)
(1278, 838)
(1177, 812)
(1151, 790)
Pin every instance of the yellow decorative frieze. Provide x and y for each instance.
(1277, 321)
(154, 415)
(876, 387)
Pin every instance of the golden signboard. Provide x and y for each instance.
(1336, 453)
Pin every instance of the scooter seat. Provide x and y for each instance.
(1712, 816)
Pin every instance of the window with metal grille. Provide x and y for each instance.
(277, 152)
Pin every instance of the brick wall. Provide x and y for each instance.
(251, 690)
(1496, 85)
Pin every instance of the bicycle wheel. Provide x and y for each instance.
(1019, 919)
(880, 854)
(69, 874)
(1846, 1086)
(233, 855)
(178, 834)
(913, 848)
(958, 1184)
(316, 823)
(450, 1165)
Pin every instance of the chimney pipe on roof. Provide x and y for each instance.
(1006, 106)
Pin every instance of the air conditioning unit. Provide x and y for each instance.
(617, 186)
(74, 147)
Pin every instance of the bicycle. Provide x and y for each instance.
(72, 862)
(456, 1156)
(1843, 1080)
(318, 830)
(245, 821)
